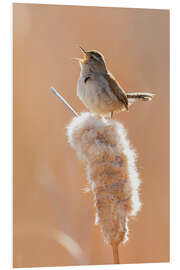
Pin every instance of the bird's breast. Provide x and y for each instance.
(96, 94)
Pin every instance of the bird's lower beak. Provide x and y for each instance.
(82, 60)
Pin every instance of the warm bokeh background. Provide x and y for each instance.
(53, 217)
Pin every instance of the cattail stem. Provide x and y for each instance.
(115, 253)
(64, 101)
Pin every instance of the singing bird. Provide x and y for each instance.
(99, 90)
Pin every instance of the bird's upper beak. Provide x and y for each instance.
(82, 60)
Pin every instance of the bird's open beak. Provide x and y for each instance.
(82, 60)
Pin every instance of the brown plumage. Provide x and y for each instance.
(117, 90)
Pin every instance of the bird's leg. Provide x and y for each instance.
(111, 115)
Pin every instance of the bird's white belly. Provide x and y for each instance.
(96, 96)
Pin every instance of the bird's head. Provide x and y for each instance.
(92, 61)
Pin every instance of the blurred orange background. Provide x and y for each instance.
(53, 217)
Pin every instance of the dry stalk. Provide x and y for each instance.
(115, 253)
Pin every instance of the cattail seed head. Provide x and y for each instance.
(111, 172)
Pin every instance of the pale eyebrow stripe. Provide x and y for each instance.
(96, 57)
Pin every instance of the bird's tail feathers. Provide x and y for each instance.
(133, 97)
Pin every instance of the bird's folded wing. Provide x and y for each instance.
(117, 90)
